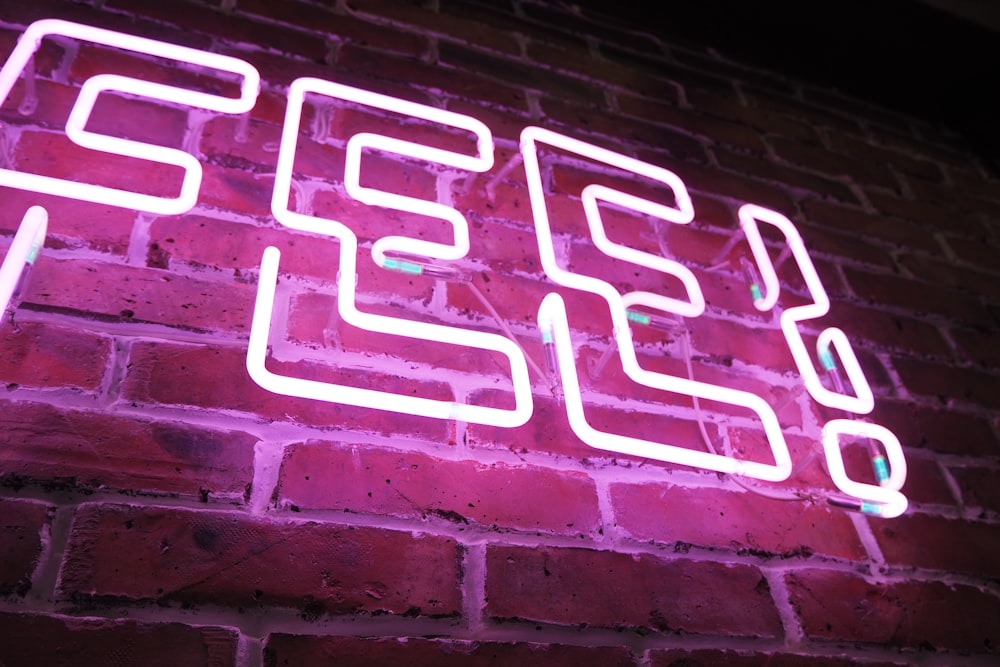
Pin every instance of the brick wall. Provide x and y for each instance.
(159, 508)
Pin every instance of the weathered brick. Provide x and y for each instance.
(414, 486)
(865, 226)
(229, 559)
(215, 378)
(733, 658)
(21, 535)
(62, 641)
(892, 291)
(233, 27)
(948, 383)
(727, 520)
(282, 649)
(54, 155)
(140, 294)
(576, 120)
(980, 487)
(607, 589)
(821, 159)
(359, 60)
(938, 543)
(41, 355)
(54, 447)
(481, 33)
(944, 431)
(768, 170)
(72, 224)
(841, 606)
(686, 120)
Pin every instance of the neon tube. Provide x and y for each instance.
(94, 86)
(347, 278)
(864, 401)
(21, 256)
(553, 313)
(884, 500)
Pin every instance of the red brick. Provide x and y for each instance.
(724, 342)
(731, 185)
(505, 248)
(930, 216)
(692, 121)
(215, 378)
(515, 73)
(368, 62)
(140, 294)
(727, 520)
(62, 641)
(72, 224)
(615, 590)
(841, 606)
(947, 274)
(370, 223)
(21, 535)
(867, 227)
(925, 483)
(813, 114)
(54, 155)
(609, 34)
(231, 27)
(978, 251)
(417, 486)
(478, 32)
(547, 432)
(732, 658)
(229, 559)
(40, 355)
(944, 431)
(47, 57)
(90, 450)
(577, 120)
(886, 331)
(861, 148)
(980, 487)
(23, 12)
(841, 244)
(236, 190)
(771, 171)
(922, 540)
(221, 244)
(820, 159)
(724, 103)
(948, 383)
(885, 290)
(282, 649)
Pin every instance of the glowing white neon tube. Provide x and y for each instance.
(863, 401)
(552, 314)
(93, 87)
(885, 500)
(347, 278)
(22, 254)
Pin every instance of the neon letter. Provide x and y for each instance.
(94, 86)
(553, 322)
(346, 281)
(22, 254)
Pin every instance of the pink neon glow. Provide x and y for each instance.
(552, 314)
(93, 87)
(22, 253)
(891, 503)
(347, 279)
(864, 401)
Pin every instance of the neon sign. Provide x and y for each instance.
(420, 257)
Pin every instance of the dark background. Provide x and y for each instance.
(902, 54)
